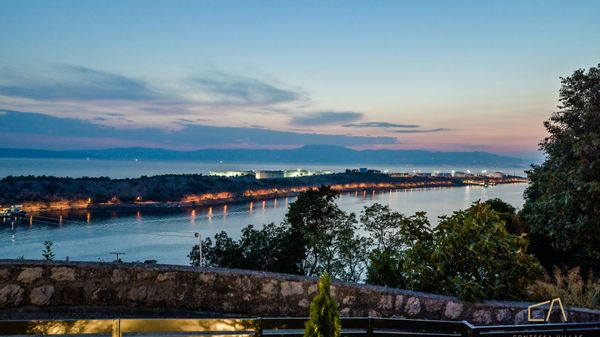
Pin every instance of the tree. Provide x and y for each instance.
(47, 253)
(508, 214)
(323, 236)
(473, 256)
(261, 249)
(390, 234)
(324, 313)
(469, 254)
(562, 201)
(306, 217)
(316, 237)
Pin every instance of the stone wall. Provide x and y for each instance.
(64, 284)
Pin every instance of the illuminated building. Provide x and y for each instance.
(229, 173)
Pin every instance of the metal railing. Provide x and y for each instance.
(287, 327)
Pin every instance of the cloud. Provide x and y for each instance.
(325, 117)
(380, 125)
(421, 131)
(222, 88)
(79, 84)
(35, 130)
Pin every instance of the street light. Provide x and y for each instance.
(199, 236)
(117, 254)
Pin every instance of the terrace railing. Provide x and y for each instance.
(287, 327)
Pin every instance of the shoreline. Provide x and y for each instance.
(223, 198)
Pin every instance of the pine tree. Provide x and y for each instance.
(47, 253)
(324, 313)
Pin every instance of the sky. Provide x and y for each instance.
(438, 75)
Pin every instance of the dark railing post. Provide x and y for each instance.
(470, 330)
(259, 327)
(370, 327)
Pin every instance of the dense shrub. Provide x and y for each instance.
(469, 254)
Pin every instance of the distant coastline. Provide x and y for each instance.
(175, 191)
(324, 154)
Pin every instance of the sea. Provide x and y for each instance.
(167, 236)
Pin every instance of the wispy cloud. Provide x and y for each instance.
(380, 125)
(79, 84)
(222, 88)
(86, 93)
(325, 118)
(34, 130)
(421, 131)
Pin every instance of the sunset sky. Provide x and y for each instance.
(441, 75)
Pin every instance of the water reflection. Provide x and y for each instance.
(167, 235)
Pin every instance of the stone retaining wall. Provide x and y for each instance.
(60, 284)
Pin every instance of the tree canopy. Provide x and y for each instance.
(469, 254)
(562, 204)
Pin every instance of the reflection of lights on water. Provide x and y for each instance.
(287, 202)
(88, 217)
(224, 211)
(251, 207)
(30, 220)
(60, 220)
(193, 216)
(264, 204)
(138, 215)
(275, 203)
(210, 214)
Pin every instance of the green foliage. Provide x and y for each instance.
(508, 214)
(562, 204)
(390, 234)
(469, 254)
(311, 219)
(263, 249)
(385, 268)
(324, 313)
(316, 237)
(47, 253)
(194, 254)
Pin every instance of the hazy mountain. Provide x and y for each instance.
(306, 154)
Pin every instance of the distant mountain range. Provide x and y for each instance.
(325, 154)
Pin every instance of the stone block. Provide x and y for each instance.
(41, 295)
(63, 274)
(413, 306)
(30, 275)
(11, 295)
(453, 310)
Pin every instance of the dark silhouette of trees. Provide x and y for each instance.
(562, 204)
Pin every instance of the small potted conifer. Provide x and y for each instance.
(324, 313)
